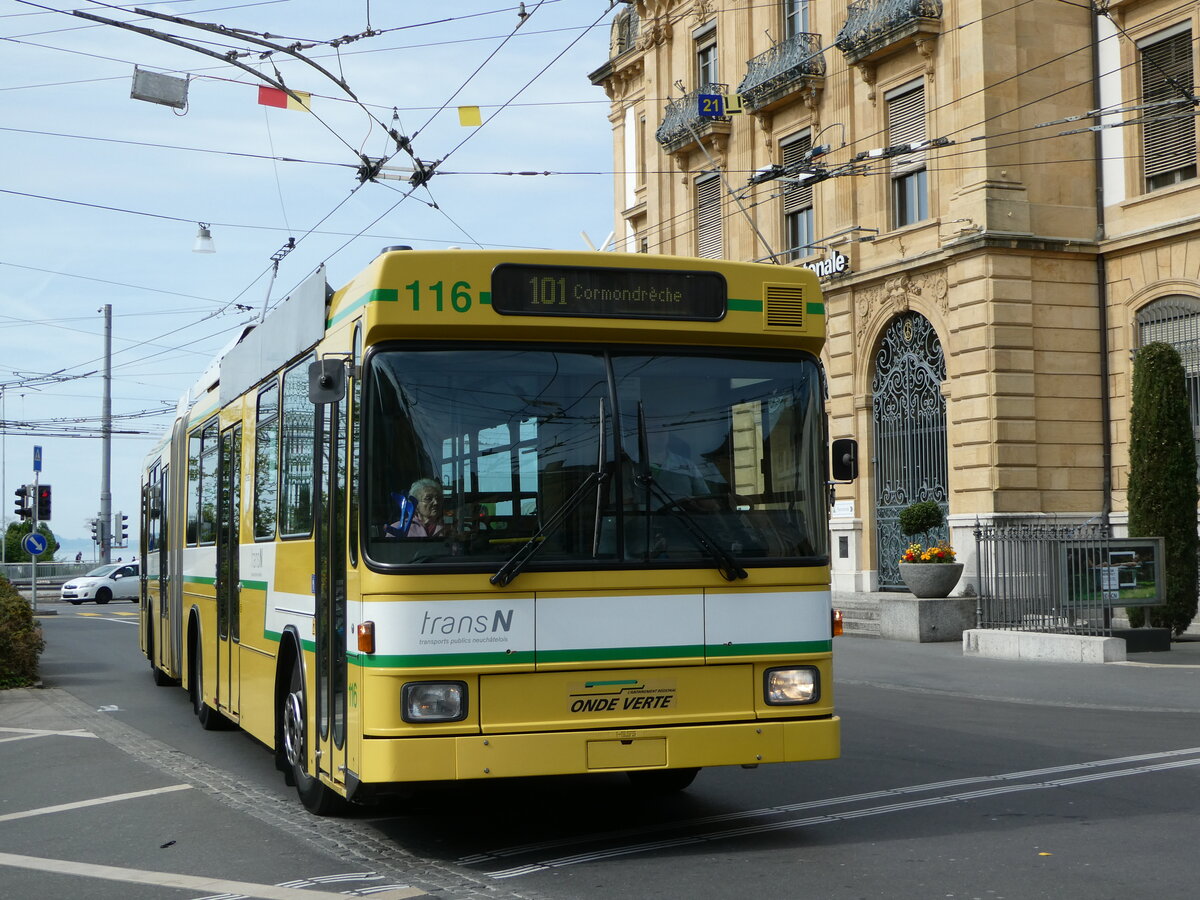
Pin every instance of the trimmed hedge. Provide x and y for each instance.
(20, 639)
(921, 518)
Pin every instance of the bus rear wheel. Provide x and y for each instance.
(316, 797)
(209, 718)
(161, 678)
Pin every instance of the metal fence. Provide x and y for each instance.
(52, 571)
(1046, 577)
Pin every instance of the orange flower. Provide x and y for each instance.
(938, 553)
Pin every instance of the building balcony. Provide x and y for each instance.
(874, 27)
(789, 67)
(682, 124)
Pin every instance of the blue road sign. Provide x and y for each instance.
(34, 543)
(37, 458)
(710, 105)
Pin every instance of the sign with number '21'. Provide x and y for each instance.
(714, 105)
(710, 105)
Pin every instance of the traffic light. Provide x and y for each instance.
(21, 504)
(120, 529)
(43, 503)
(95, 531)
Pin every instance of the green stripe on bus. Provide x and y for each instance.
(308, 645)
(779, 648)
(485, 298)
(377, 295)
(815, 309)
(197, 416)
(254, 585)
(198, 579)
(440, 660)
(608, 654)
(744, 305)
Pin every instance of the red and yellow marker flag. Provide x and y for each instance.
(269, 96)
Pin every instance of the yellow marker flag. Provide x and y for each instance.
(469, 117)
(268, 96)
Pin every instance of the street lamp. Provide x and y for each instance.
(204, 241)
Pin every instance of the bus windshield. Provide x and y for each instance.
(599, 457)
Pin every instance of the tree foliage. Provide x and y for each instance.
(20, 639)
(1162, 480)
(14, 552)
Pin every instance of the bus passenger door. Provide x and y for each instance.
(228, 582)
(331, 594)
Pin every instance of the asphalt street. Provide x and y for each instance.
(93, 807)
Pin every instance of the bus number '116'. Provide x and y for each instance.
(459, 296)
(548, 291)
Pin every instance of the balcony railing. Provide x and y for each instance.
(874, 25)
(782, 70)
(682, 123)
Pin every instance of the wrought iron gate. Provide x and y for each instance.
(910, 434)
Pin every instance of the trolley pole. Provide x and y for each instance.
(33, 557)
(103, 531)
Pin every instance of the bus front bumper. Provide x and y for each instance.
(399, 760)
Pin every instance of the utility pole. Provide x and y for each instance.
(106, 444)
(3, 483)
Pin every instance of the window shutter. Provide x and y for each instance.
(708, 218)
(796, 196)
(906, 124)
(1169, 135)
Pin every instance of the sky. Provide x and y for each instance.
(102, 195)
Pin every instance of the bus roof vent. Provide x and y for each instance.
(784, 307)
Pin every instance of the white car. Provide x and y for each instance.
(117, 580)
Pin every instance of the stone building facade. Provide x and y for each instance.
(1002, 198)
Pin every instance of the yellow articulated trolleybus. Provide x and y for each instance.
(479, 515)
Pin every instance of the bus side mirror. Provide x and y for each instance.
(845, 459)
(327, 380)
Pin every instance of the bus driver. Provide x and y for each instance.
(425, 497)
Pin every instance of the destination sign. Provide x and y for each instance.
(527, 290)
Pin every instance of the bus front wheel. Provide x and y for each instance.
(316, 797)
(662, 781)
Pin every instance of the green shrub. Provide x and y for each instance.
(1162, 480)
(20, 639)
(921, 518)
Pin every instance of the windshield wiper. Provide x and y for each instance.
(727, 565)
(599, 477)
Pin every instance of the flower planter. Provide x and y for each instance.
(903, 617)
(930, 579)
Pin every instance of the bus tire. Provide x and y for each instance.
(316, 797)
(662, 781)
(209, 718)
(161, 678)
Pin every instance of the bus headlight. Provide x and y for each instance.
(433, 701)
(792, 686)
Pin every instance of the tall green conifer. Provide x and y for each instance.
(1162, 480)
